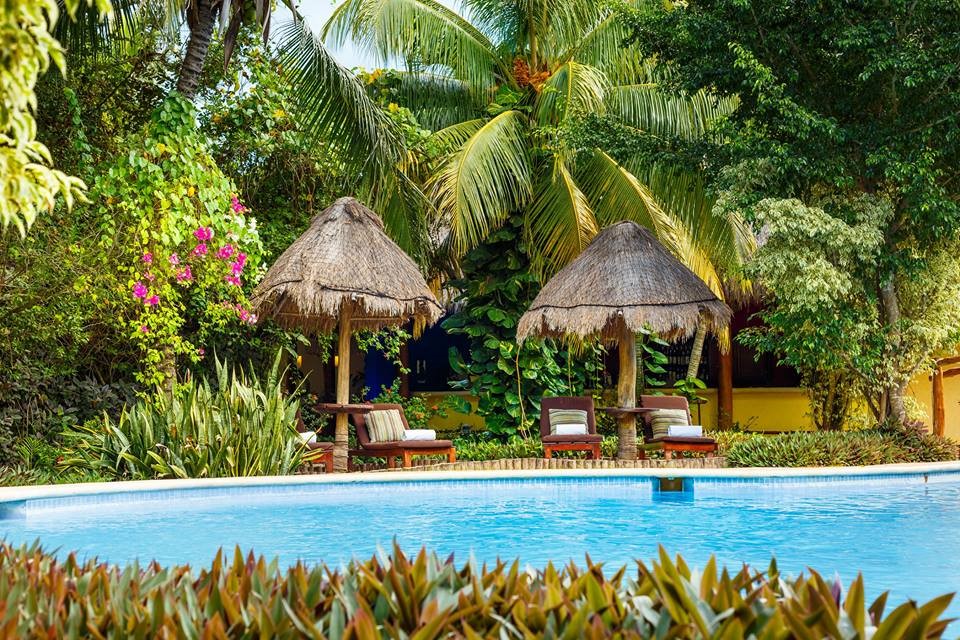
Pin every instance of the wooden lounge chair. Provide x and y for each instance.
(589, 441)
(317, 452)
(670, 444)
(405, 449)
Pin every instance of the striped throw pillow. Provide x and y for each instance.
(662, 419)
(384, 425)
(567, 416)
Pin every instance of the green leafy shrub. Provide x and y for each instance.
(840, 448)
(241, 427)
(424, 597)
(485, 448)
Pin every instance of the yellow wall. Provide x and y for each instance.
(765, 409)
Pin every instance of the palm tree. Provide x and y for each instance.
(502, 89)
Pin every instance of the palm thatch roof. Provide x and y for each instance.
(624, 277)
(345, 259)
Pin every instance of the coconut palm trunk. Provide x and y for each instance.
(201, 19)
(696, 351)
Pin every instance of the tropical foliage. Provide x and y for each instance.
(239, 425)
(500, 86)
(424, 597)
(28, 182)
(839, 113)
(839, 448)
(510, 379)
(177, 240)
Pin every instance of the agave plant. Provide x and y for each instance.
(241, 426)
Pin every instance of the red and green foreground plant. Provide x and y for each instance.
(423, 597)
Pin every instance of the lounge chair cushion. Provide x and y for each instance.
(662, 419)
(567, 417)
(408, 444)
(587, 438)
(385, 425)
(569, 429)
(419, 434)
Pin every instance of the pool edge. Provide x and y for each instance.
(10, 495)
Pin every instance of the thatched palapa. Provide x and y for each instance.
(345, 258)
(624, 279)
(345, 273)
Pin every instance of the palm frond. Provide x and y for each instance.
(454, 136)
(335, 105)
(91, 31)
(649, 108)
(617, 194)
(559, 222)
(726, 240)
(572, 88)
(422, 33)
(437, 100)
(602, 46)
(484, 180)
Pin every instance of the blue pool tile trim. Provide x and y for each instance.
(699, 486)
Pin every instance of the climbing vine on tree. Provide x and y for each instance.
(509, 380)
(176, 243)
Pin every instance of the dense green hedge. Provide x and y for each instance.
(839, 448)
(425, 598)
(485, 448)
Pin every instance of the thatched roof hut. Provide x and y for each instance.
(624, 279)
(345, 273)
(345, 259)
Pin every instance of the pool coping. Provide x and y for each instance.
(36, 492)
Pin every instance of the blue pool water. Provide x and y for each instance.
(902, 532)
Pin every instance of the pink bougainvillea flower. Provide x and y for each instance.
(144, 329)
(147, 258)
(242, 259)
(253, 318)
(200, 250)
(225, 251)
(201, 352)
(234, 280)
(236, 205)
(236, 268)
(139, 290)
(203, 234)
(174, 259)
(153, 300)
(149, 276)
(185, 274)
(244, 314)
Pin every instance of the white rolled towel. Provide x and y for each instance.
(309, 437)
(570, 430)
(419, 434)
(685, 430)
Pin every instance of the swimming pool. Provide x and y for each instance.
(899, 529)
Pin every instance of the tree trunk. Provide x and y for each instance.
(340, 437)
(696, 352)
(201, 31)
(627, 395)
(725, 386)
(891, 311)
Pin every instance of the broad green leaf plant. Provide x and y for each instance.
(28, 182)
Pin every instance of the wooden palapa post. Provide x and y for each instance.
(627, 394)
(340, 437)
(938, 410)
